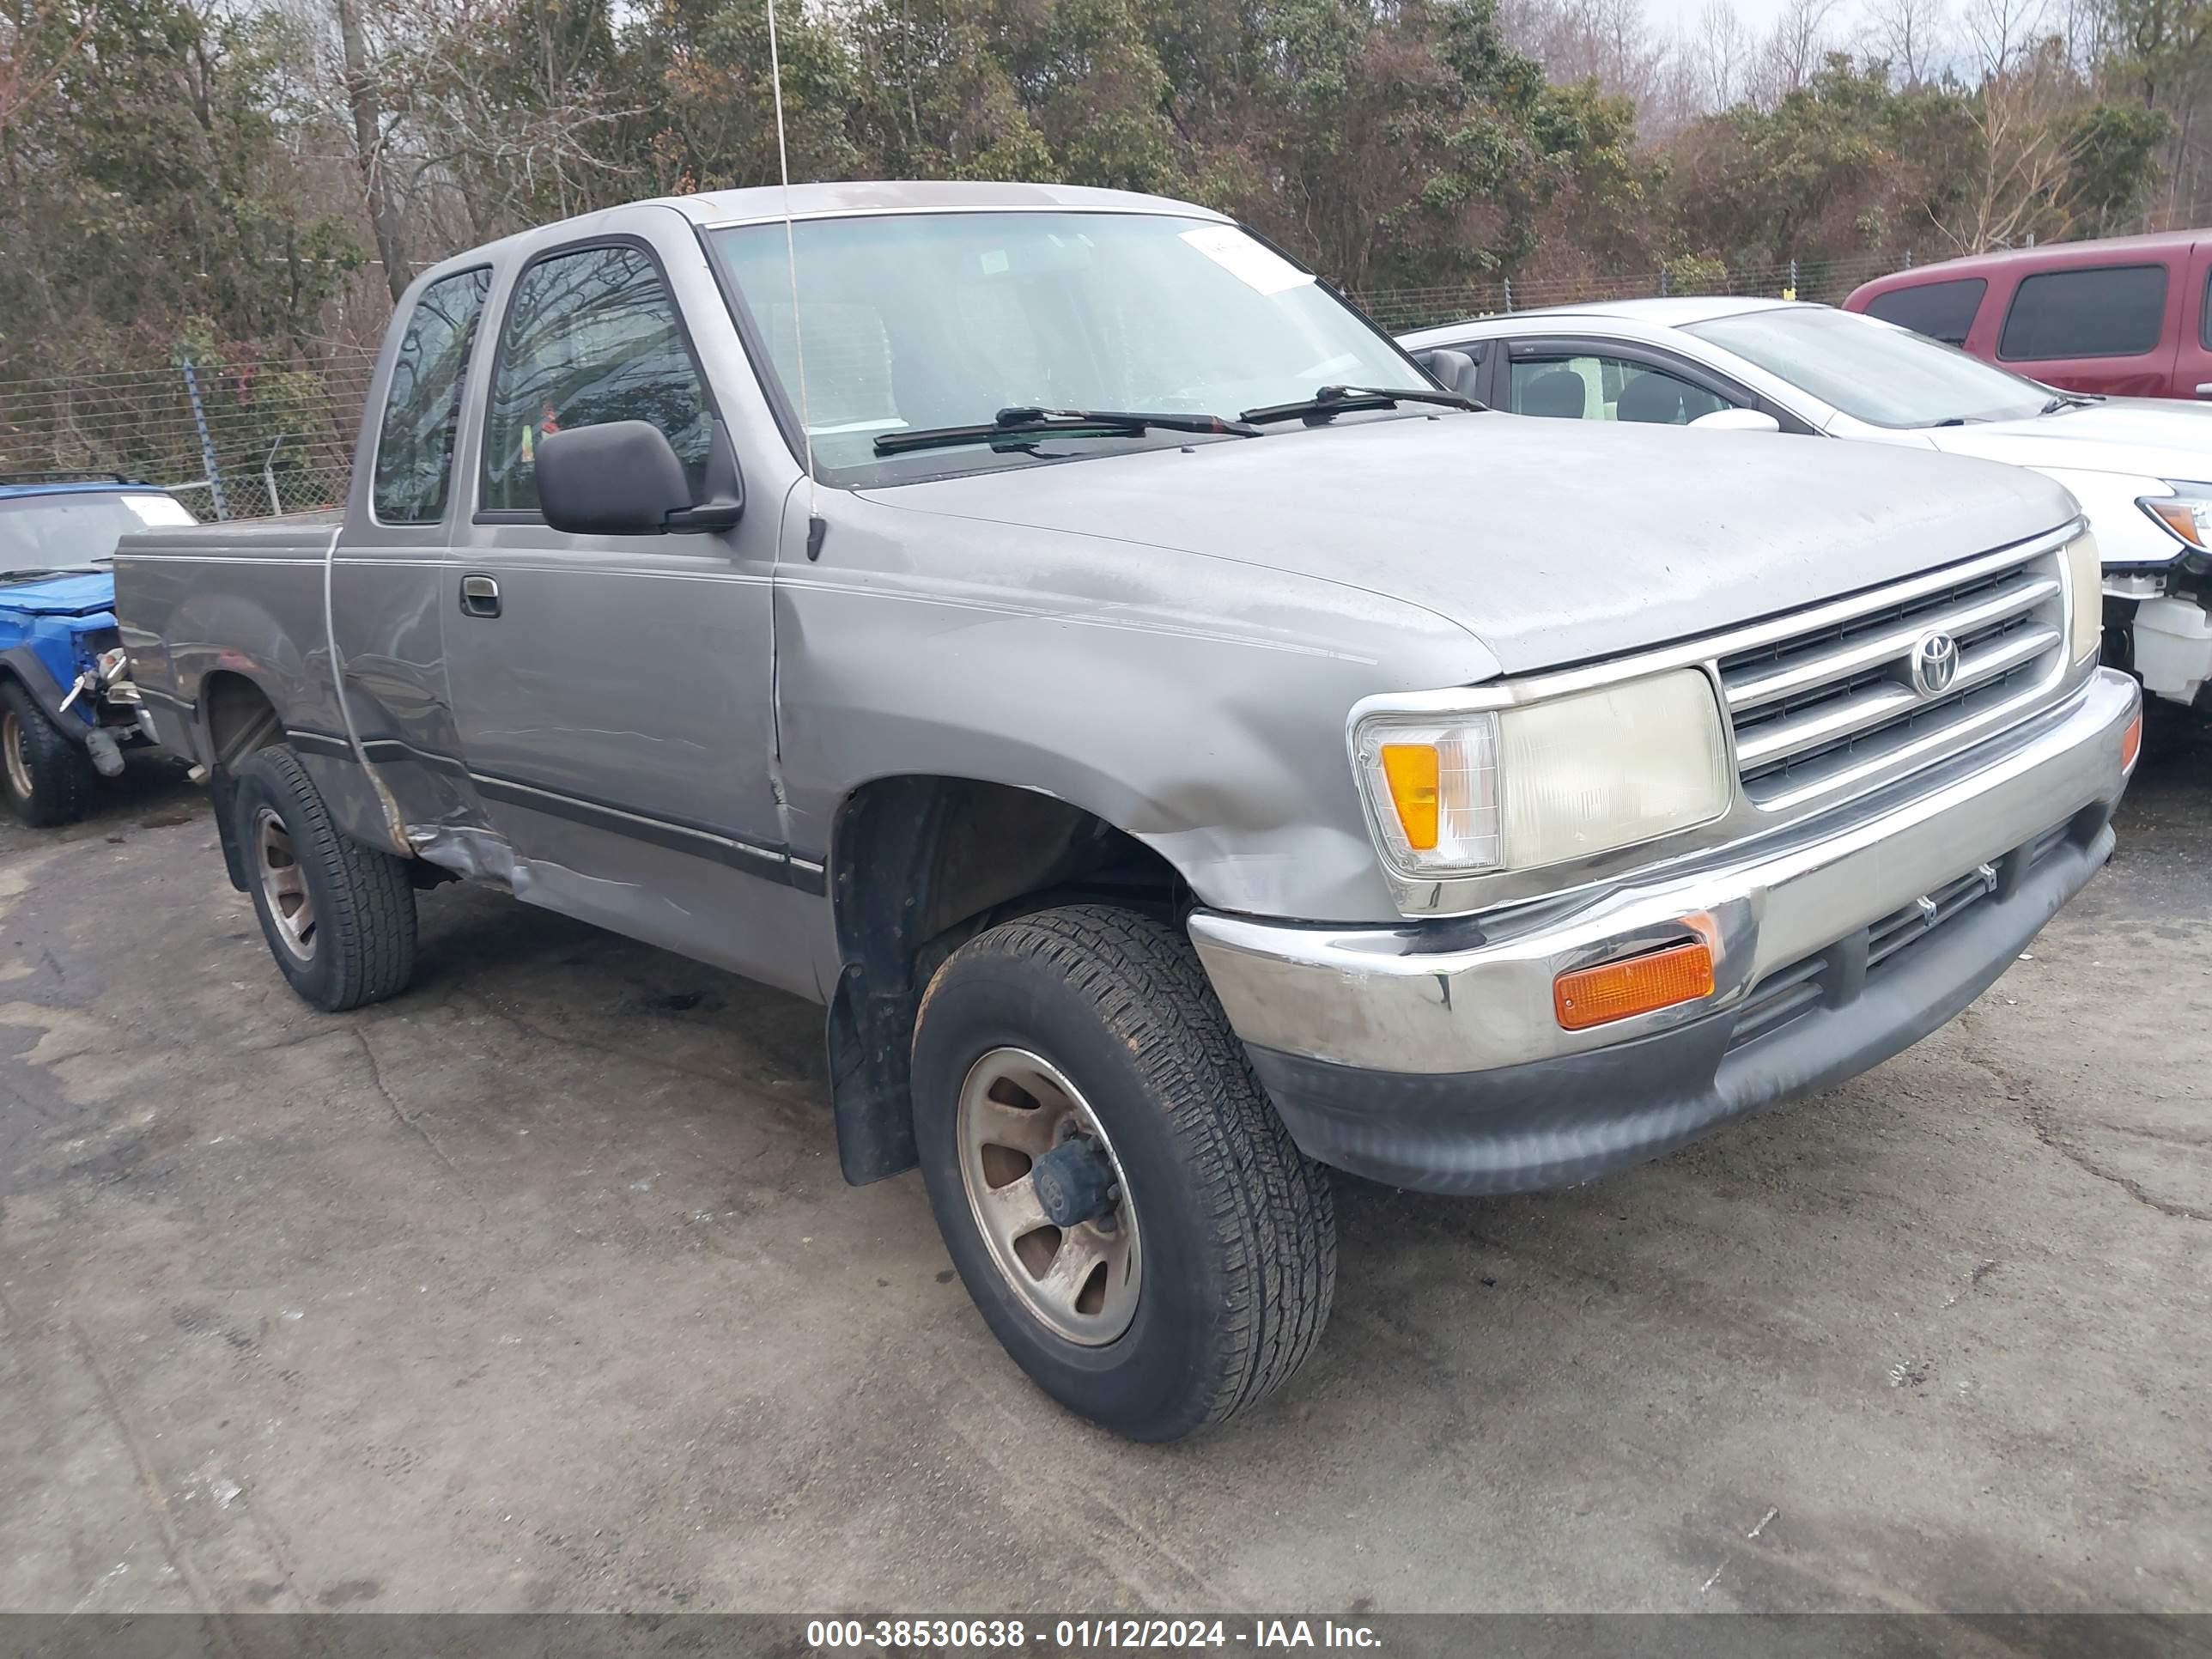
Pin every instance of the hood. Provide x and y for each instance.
(1553, 542)
(71, 593)
(2148, 437)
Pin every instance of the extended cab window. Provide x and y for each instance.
(591, 337)
(1588, 388)
(1942, 310)
(415, 446)
(2110, 311)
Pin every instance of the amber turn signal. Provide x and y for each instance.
(2131, 742)
(1616, 990)
(1414, 770)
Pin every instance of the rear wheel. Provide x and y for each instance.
(339, 917)
(1132, 1217)
(48, 780)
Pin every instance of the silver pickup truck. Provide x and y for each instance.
(1182, 742)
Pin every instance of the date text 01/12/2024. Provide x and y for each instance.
(1081, 1634)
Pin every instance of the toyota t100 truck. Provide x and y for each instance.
(1182, 744)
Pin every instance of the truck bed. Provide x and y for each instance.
(244, 598)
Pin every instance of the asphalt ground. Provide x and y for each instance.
(537, 1289)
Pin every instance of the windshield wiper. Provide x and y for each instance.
(1009, 427)
(1331, 401)
(2071, 400)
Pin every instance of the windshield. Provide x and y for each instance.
(918, 321)
(1872, 370)
(42, 533)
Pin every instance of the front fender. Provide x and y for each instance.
(1197, 705)
(26, 665)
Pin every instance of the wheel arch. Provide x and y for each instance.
(918, 864)
(22, 664)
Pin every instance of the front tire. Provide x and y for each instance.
(49, 781)
(339, 917)
(1196, 1275)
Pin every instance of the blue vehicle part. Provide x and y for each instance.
(56, 621)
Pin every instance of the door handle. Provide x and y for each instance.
(2204, 388)
(479, 597)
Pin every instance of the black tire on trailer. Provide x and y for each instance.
(339, 917)
(48, 780)
(1075, 1062)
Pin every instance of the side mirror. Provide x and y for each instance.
(1737, 419)
(623, 479)
(619, 479)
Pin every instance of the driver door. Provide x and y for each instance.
(613, 693)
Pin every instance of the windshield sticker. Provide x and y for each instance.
(1259, 268)
(160, 511)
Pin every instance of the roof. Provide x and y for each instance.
(767, 204)
(1680, 310)
(2045, 253)
(34, 484)
(917, 196)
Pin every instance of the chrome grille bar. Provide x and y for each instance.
(1840, 693)
(1749, 688)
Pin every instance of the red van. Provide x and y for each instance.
(2127, 315)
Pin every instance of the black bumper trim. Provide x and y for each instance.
(1561, 1121)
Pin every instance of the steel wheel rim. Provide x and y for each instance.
(284, 892)
(1081, 1284)
(15, 746)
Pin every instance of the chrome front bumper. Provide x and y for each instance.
(1462, 1011)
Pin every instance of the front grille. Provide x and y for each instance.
(1802, 986)
(1813, 706)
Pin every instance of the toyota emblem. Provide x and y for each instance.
(1934, 663)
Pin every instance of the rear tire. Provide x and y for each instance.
(339, 917)
(1100, 1016)
(49, 781)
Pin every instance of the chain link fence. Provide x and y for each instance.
(235, 437)
(241, 437)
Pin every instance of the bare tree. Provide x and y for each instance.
(362, 80)
(1912, 36)
(1722, 51)
(29, 66)
(2001, 35)
(2018, 194)
(1608, 41)
(1802, 37)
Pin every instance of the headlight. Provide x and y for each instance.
(1517, 788)
(2187, 512)
(2085, 602)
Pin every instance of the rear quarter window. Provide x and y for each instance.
(422, 409)
(1942, 310)
(2102, 311)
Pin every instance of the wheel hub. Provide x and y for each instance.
(284, 885)
(14, 753)
(1048, 1196)
(1075, 1182)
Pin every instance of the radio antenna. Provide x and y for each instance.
(814, 525)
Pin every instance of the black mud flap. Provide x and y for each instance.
(222, 789)
(870, 1091)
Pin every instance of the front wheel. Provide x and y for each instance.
(1128, 1212)
(48, 780)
